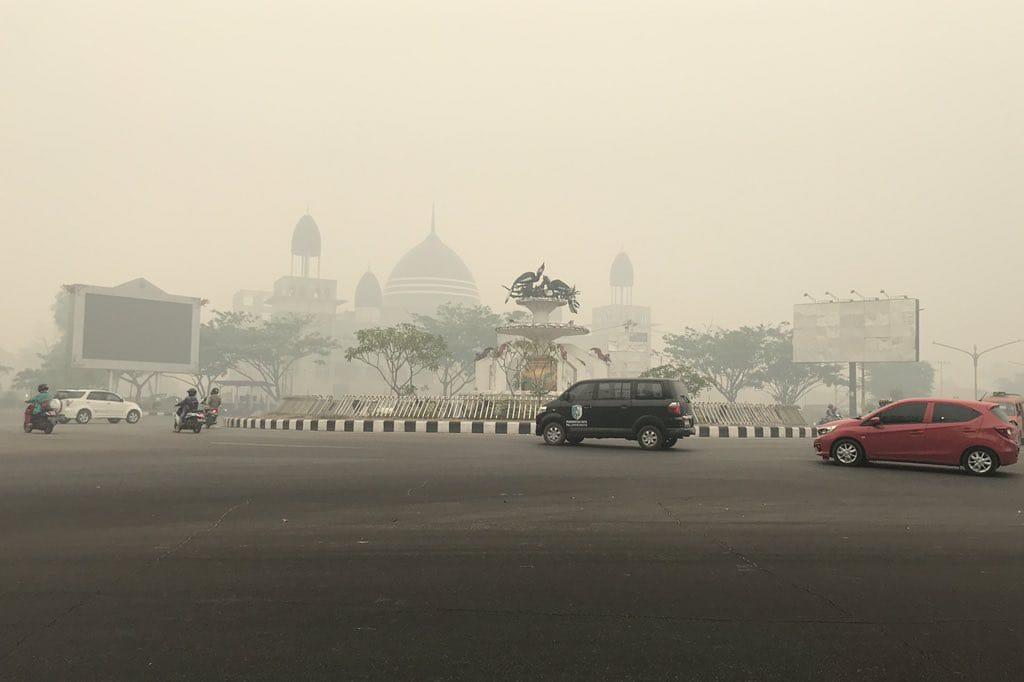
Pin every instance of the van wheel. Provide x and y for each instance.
(574, 440)
(980, 462)
(650, 438)
(848, 453)
(554, 433)
(669, 442)
(83, 417)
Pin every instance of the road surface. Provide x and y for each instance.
(132, 552)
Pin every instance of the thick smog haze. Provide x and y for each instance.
(742, 153)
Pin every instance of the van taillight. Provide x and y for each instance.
(676, 409)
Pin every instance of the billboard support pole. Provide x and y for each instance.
(853, 389)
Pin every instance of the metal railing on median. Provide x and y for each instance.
(504, 407)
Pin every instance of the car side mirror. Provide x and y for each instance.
(872, 421)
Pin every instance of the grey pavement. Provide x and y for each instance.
(131, 552)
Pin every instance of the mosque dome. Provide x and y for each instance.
(306, 238)
(368, 293)
(427, 276)
(621, 274)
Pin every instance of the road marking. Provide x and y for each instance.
(282, 444)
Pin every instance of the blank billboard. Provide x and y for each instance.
(856, 331)
(134, 326)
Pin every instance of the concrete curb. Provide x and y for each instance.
(501, 428)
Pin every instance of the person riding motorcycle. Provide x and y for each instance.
(832, 414)
(212, 401)
(188, 404)
(37, 402)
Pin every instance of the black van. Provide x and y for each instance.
(654, 412)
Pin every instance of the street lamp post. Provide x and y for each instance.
(975, 354)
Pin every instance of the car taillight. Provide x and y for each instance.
(676, 409)
(1004, 431)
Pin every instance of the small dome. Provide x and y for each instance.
(621, 274)
(306, 238)
(368, 292)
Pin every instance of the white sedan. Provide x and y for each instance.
(85, 404)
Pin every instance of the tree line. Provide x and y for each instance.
(448, 344)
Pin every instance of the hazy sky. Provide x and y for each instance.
(743, 152)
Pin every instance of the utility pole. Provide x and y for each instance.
(942, 385)
(975, 354)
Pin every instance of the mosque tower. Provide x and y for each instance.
(306, 246)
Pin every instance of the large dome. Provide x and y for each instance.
(306, 237)
(368, 293)
(429, 275)
(621, 274)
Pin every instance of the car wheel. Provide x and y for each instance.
(650, 437)
(554, 433)
(133, 417)
(574, 440)
(83, 417)
(848, 453)
(980, 462)
(669, 442)
(113, 421)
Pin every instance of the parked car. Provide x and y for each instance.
(654, 412)
(1014, 405)
(85, 404)
(977, 436)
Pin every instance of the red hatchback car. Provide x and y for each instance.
(974, 435)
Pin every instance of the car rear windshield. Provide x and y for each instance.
(70, 394)
(1002, 412)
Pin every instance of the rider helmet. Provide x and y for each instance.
(191, 391)
(215, 391)
(43, 388)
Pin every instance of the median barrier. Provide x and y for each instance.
(459, 426)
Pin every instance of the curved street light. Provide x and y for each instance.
(975, 355)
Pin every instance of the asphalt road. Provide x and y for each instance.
(136, 553)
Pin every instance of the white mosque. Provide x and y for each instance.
(429, 275)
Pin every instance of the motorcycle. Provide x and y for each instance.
(45, 419)
(211, 416)
(192, 421)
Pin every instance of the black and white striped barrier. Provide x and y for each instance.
(515, 428)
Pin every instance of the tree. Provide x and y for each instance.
(399, 354)
(730, 359)
(267, 350)
(466, 331)
(138, 381)
(55, 359)
(694, 382)
(897, 380)
(787, 381)
(512, 357)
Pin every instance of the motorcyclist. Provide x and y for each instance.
(188, 404)
(37, 402)
(832, 414)
(212, 401)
